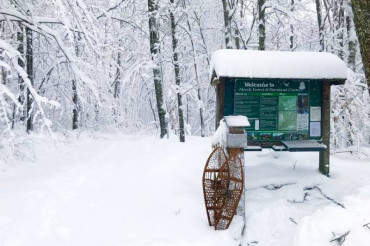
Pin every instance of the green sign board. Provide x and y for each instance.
(277, 109)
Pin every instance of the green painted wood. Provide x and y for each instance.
(229, 96)
(315, 93)
(278, 109)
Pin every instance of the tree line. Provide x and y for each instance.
(142, 66)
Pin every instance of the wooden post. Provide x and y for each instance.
(220, 101)
(325, 128)
(236, 142)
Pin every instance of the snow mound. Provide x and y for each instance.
(219, 139)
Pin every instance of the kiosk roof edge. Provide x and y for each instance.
(277, 65)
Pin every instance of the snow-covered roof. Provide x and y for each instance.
(277, 65)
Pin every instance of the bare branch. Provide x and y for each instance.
(110, 9)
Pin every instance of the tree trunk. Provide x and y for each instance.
(239, 41)
(4, 76)
(321, 25)
(21, 42)
(75, 111)
(361, 11)
(202, 133)
(177, 74)
(291, 36)
(352, 42)
(339, 26)
(154, 42)
(261, 25)
(204, 44)
(227, 23)
(117, 82)
(75, 106)
(29, 61)
(198, 84)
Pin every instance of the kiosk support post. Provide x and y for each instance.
(236, 142)
(220, 101)
(325, 130)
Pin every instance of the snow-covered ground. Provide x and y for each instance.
(135, 190)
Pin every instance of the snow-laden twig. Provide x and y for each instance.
(307, 193)
(271, 186)
(292, 220)
(12, 56)
(340, 240)
(276, 186)
(67, 51)
(367, 225)
(324, 195)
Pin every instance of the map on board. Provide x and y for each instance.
(288, 103)
(287, 121)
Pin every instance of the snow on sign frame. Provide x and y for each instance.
(223, 183)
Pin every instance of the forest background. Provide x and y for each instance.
(142, 66)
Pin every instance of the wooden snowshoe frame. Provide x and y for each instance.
(211, 169)
(223, 183)
(228, 191)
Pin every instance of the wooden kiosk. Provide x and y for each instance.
(285, 95)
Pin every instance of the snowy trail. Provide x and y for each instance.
(128, 191)
(45, 204)
(144, 191)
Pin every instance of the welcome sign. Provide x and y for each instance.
(279, 109)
